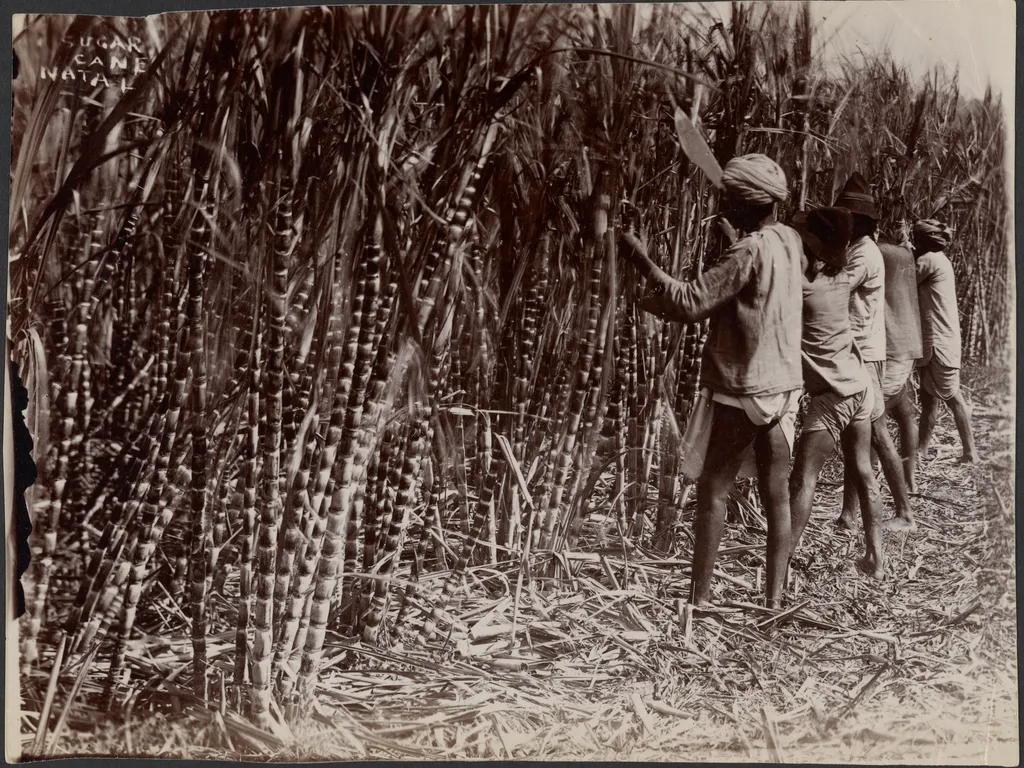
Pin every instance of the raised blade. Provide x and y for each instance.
(697, 149)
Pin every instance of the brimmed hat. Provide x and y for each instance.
(856, 197)
(826, 232)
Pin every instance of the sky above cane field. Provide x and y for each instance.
(976, 35)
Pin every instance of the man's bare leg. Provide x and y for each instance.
(847, 518)
(771, 450)
(884, 451)
(812, 450)
(892, 468)
(731, 433)
(856, 441)
(929, 416)
(902, 409)
(962, 416)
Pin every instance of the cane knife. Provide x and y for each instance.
(696, 149)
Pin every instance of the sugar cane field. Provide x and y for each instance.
(352, 439)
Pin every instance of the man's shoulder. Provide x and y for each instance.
(867, 252)
(938, 262)
(893, 252)
(769, 239)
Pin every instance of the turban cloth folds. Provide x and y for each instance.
(932, 232)
(755, 180)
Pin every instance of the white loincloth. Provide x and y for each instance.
(761, 410)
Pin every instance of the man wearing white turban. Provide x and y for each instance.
(940, 325)
(751, 374)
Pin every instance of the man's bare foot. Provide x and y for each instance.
(846, 522)
(900, 524)
(872, 567)
(970, 458)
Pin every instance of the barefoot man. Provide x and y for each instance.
(903, 348)
(940, 322)
(838, 381)
(750, 374)
(867, 316)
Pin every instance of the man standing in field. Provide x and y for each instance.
(903, 348)
(750, 376)
(940, 321)
(867, 317)
(837, 379)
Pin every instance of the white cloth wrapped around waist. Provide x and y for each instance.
(760, 409)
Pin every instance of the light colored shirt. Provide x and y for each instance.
(940, 318)
(831, 360)
(754, 302)
(902, 308)
(867, 298)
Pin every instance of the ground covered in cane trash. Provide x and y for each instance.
(920, 668)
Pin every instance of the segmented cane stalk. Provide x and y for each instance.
(405, 498)
(371, 496)
(81, 378)
(465, 555)
(47, 522)
(124, 331)
(202, 235)
(361, 424)
(250, 454)
(443, 253)
(593, 419)
(316, 522)
(135, 562)
(528, 342)
(561, 456)
(293, 530)
(95, 592)
(354, 451)
(632, 502)
(377, 510)
(620, 488)
(336, 425)
(467, 448)
(277, 309)
(431, 524)
(490, 523)
(154, 519)
(458, 384)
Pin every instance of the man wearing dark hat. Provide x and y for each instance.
(837, 379)
(940, 322)
(867, 317)
(750, 372)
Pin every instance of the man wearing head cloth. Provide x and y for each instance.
(940, 324)
(837, 380)
(903, 348)
(867, 315)
(750, 375)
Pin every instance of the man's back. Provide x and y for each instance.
(867, 300)
(830, 359)
(940, 316)
(902, 309)
(753, 346)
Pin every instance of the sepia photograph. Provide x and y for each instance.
(549, 382)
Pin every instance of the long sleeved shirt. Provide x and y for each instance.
(902, 309)
(754, 300)
(867, 298)
(831, 360)
(940, 318)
